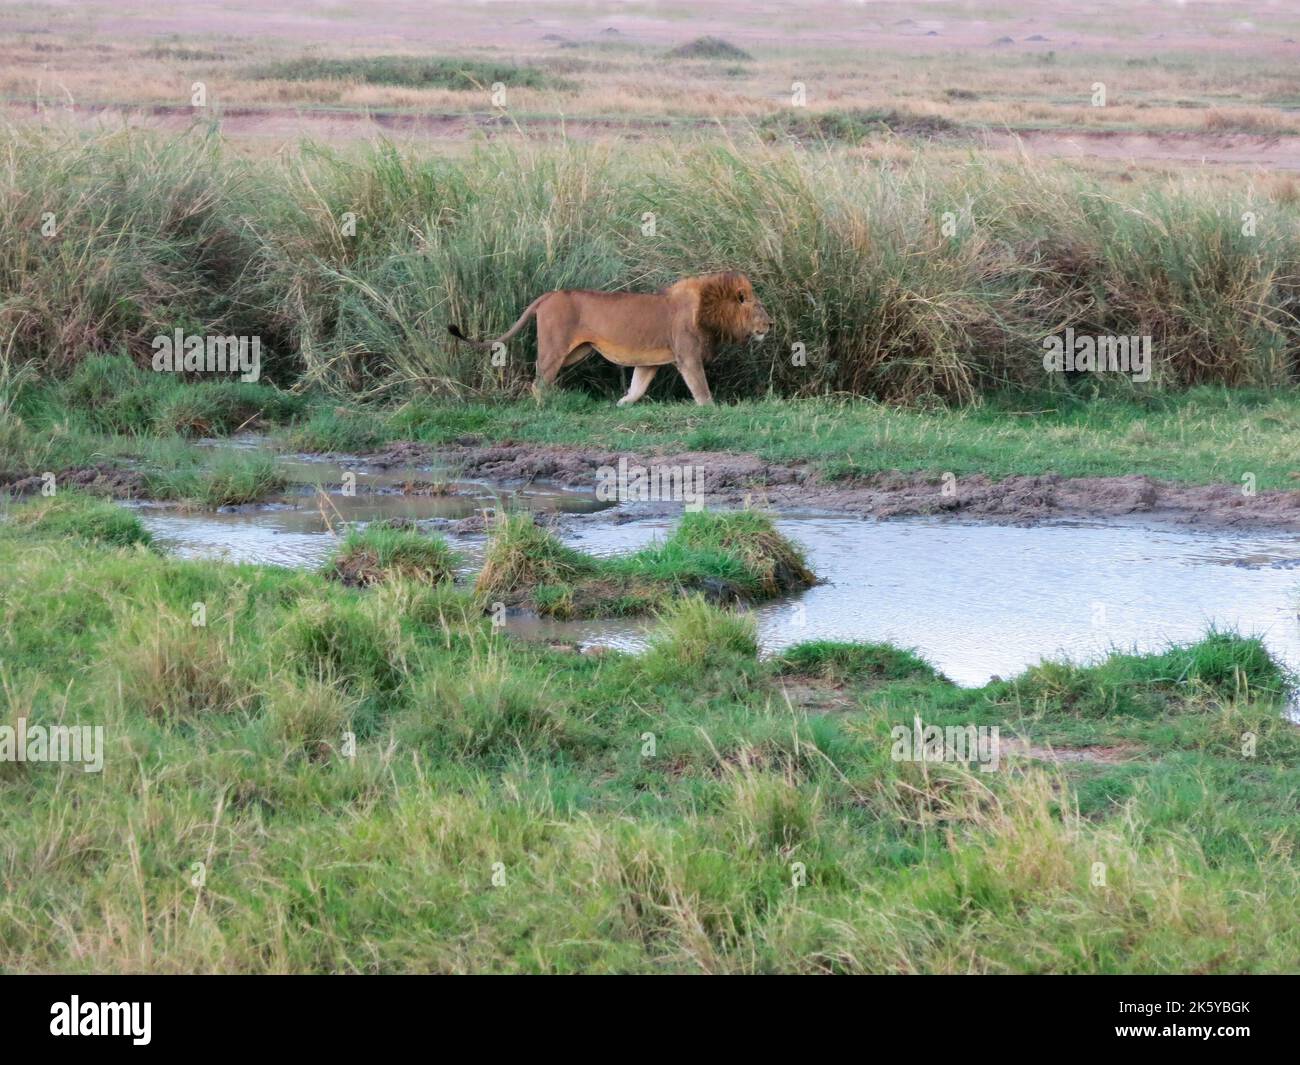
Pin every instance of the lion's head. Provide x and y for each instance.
(729, 308)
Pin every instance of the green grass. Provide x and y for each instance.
(693, 635)
(835, 661)
(852, 126)
(331, 428)
(71, 514)
(1222, 666)
(521, 555)
(771, 563)
(377, 780)
(1206, 435)
(416, 72)
(114, 395)
(1202, 436)
(729, 557)
(109, 412)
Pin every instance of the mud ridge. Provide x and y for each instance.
(101, 479)
(733, 479)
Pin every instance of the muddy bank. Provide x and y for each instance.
(102, 479)
(730, 479)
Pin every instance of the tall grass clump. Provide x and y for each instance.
(113, 239)
(933, 281)
(774, 563)
(852, 265)
(472, 242)
(1173, 261)
(855, 264)
(520, 555)
(727, 556)
(487, 709)
(692, 634)
(739, 550)
(230, 479)
(1198, 677)
(343, 642)
(115, 395)
(174, 670)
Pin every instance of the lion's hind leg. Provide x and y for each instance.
(552, 358)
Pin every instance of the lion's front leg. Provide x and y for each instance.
(691, 348)
(691, 366)
(641, 378)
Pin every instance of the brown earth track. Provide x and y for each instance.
(734, 478)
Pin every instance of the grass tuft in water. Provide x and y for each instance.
(231, 478)
(725, 556)
(380, 553)
(521, 555)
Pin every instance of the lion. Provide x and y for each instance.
(679, 325)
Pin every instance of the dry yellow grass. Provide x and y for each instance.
(1184, 83)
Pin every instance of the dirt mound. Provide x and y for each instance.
(708, 48)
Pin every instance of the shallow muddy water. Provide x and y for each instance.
(975, 600)
(324, 497)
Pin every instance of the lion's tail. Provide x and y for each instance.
(486, 345)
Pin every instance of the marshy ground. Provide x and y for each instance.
(378, 778)
(588, 808)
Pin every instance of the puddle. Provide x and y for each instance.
(975, 600)
(300, 527)
(984, 600)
